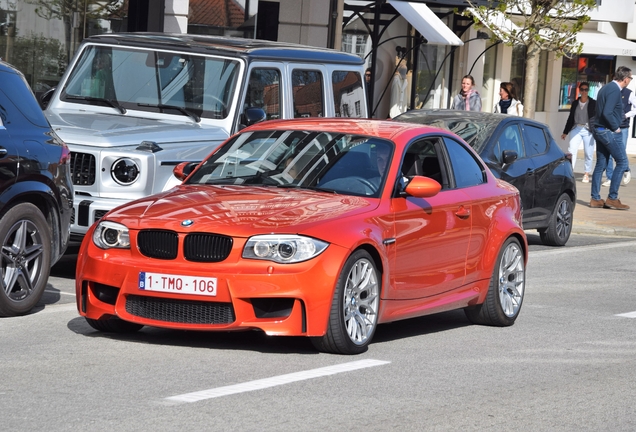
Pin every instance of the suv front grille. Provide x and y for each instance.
(197, 247)
(180, 311)
(82, 169)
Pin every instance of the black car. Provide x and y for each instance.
(36, 195)
(522, 152)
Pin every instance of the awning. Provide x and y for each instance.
(604, 44)
(426, 22)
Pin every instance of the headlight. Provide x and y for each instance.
(111, 235)
(125, 171)
(283, 249)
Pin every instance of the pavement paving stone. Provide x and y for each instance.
(603, 221)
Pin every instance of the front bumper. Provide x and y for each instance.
(279, 299)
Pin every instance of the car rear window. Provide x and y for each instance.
(16, 88)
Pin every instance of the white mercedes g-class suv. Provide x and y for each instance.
(132, 106)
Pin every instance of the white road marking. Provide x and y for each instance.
(627, 315)
(60, 292)
(560, 251)
(275, 381)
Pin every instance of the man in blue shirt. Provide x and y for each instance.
(609, 140)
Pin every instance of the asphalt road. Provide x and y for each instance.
(569, 363)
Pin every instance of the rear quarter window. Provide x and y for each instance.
(16, 89)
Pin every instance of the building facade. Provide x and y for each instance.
(438, 46)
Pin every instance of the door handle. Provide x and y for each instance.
(3, 152)
(462, 213)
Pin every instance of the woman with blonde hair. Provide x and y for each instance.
(508, 104)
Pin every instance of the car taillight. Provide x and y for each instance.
(65, 158)
(568, 156)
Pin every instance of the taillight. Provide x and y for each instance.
(568, 156)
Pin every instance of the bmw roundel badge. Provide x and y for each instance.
(187, 222)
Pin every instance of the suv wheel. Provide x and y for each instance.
(25, 259)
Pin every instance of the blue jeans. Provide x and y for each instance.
(608, 144)
(610, 162)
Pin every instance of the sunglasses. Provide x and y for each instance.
(584, 89)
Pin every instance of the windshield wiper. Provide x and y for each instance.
(182, 110)
(110, 102)
(313, 188)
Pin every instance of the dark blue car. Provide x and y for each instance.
(36, 195)
(522, 152)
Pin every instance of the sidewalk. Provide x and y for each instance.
(600, 220)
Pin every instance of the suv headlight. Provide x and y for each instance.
(109, 235)
(283, 249)
(125, 171)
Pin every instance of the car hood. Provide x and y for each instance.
(239, 211)
(112, 130)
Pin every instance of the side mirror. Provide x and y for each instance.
(254, 115)
(422, 187)
(184, 169)
(46, 98)
(509, 156)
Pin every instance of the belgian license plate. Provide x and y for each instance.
(170, 283)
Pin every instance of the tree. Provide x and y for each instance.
(83, 10)
(540, 25)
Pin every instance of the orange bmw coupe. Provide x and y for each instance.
(312, 227)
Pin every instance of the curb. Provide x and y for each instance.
(593, 228)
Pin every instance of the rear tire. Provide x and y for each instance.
(25, 258)
(114, 325)
(558, 232)
(507, 288)
(354, 308)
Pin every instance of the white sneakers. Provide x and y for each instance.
(627, 177)
(586, 178)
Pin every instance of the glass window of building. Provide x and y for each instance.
(598, 70)
(429, 90)
(39, 37)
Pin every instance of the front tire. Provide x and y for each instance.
(354, 308)
(25, 259)
(507, 288)
(558, 232)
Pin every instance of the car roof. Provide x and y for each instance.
(247, 48)
(386, 129)
(442, 114)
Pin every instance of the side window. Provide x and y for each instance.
(421, 159)
(509, 139)
(536, 142)
(263, 91)
(466, 169)
(308, 93)
(348, 93)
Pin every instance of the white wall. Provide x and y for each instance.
(175, 18)
(304, 22)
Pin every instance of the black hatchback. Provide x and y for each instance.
(36, 195)
(522, 152)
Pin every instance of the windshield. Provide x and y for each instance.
(332, 162)
(174, 83)
(475, 132)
